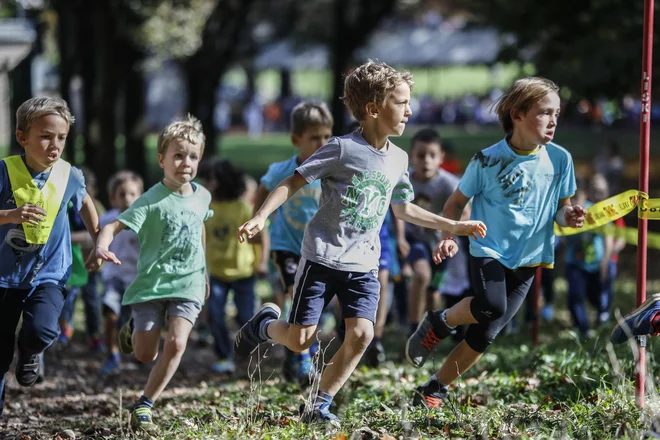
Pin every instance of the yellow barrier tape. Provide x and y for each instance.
(630, 235)
(649, 208)
(608, 210)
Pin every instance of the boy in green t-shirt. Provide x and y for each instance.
(172, 279)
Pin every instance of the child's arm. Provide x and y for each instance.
(31, 214)
(454, 208)
(414, 214)
(401, 242)
(277, 197)
(105, 238)
(206, 270)
(569, 215)
(90, 218)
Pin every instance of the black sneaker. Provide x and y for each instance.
(428, 334)
(247, 338)
(431, 395)
(376, 354)
(27, 369)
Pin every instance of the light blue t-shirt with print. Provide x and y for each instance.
(27, 265)
(517, 196)
(585, 250)
(288, 226)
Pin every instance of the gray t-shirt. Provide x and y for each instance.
(358, 183)
(432, 196)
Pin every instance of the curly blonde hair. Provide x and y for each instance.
(521, 96)
(35, 108)
(188, 129)
(371, 82)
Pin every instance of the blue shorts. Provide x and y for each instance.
(316, 284)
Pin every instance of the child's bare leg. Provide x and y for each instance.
(146, 345)
(295, 337)
(417, 295)
(381, 314)
(460, 314)
(111, 321)
(175, 345)
(461, 359)
(359, 333)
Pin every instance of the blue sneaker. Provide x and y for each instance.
(247, 338)
(111, 366)
(638, 322)
(319, 416)
(547, 312)
(225, 366)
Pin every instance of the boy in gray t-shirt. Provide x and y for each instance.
(361, 174)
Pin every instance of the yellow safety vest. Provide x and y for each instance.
(49, 197)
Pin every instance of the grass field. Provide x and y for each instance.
(566, 387)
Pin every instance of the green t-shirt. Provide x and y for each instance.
(169, 226)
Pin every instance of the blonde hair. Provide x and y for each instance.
(521, 96)
(371, 82)
(189, 129)
(308, 114)
(121, 177)
(35, 108)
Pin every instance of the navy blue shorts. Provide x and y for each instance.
(316, 284)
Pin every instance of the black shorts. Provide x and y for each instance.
(287, 265)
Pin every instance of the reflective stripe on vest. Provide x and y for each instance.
(49, 197)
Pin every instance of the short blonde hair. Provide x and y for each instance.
(120, 177)
(309, 114)
(35, 108)
(521, 96)
(371, 82)
(188, 129)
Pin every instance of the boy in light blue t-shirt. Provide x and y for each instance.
(311, 127)
(520, 186)
(171, 280)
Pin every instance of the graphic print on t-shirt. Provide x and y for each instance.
(367, 200)
(179, 235)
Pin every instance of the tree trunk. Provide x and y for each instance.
(133, 112)
(285, 83)
(20, 90)
(341, 50)
(201, 99)
(87, 60)
(67, 47)
(103, 161)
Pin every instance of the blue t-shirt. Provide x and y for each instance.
(20, 268)
(585, 250)
(517, 197)
(288, 226)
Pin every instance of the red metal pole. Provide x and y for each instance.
(537, 303)
(645, 136)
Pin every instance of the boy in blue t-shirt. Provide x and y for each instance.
(521, 185)
(35, 189)
(311, 127)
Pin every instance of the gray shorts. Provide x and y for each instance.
(113, 293)
(151, 314)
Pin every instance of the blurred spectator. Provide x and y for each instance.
(610, 164)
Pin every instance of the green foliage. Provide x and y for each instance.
(172, 28)
(593, 47)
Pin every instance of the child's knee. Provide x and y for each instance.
(300, 339)
(360, 336)
(422, 271)
(146, 354)
(175, 346)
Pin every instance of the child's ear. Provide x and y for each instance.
(21, 138)
(371, 110)
(295, 139)
(161, 158)
(515, 114)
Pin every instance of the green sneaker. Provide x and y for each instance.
(125, 337)
(141, 419)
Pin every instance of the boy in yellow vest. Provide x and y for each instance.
(35, 241)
